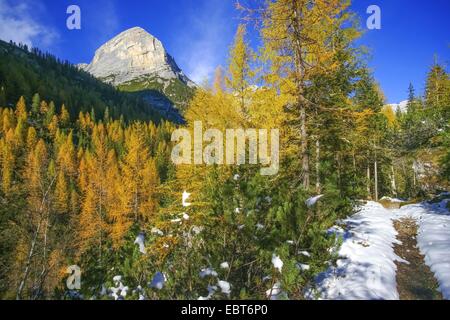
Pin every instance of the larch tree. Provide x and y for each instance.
(298, 45)
(39, 181)
(437, 90)
(31, 139)
(140, 174)
(49, 114)
(64, 117)
(8, 161)
(8, 120)
(239, 71)
(62, 194)
(117, 206)
(66, 156)
(21, 110)
(93, 228)
(53, 125)
(43, 108)
(36, 101)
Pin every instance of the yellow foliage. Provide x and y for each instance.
(7, 145)
(286, 25)
(43, 108)
(239, 70)
(66, 156)
(390, 115)
(31, 138)
(8, 120)
(21, 109)
(64, 117)
(61, 194)
(140, 176)
(53, 125)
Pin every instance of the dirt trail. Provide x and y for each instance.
(415, 281)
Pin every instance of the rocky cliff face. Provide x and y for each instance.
(135, 61)
(132, 55)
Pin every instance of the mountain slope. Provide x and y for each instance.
(135, 61)
(25, 73)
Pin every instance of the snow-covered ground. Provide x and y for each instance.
(366, 267)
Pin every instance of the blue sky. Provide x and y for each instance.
(198, 33)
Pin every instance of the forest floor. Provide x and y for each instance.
(391, 252)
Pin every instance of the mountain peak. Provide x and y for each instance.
(135, 29)
(134, 32)
(131, 55)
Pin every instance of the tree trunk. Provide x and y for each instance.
(42, 275)
(369, 192)
(393, 183)
(28, 263)
(299, 80)
(318, 185)
(304, 148)
(339, 173)
(376, 177)
(41, 212)
(355, 173)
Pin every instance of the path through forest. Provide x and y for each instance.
(415, 281)
(391, 252)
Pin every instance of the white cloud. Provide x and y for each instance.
(203, 44)
(19, 23)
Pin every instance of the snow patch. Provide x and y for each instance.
(140, 241)
(211, 291)
(158, 281)
(185, 196)
(119, 292)
(224, 286)
(157, 231)
(208, 272)
(303, 267)
(392, 199)
(313, 200)
(276, 293)
(305, 253)
(277, 263)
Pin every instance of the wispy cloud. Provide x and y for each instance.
(203, 44)
(103, 20)
(18, 23)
